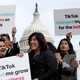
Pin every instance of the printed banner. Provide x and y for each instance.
(15, 68)
(7, 18)
(67, 20)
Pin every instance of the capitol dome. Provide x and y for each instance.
(36, 26)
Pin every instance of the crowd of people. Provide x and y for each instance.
(46, 61)
(10, 47)
(50, 63)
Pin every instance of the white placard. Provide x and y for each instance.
(78, 59)
(67, 20)
(15, 68)
(7, 18)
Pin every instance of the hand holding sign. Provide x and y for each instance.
(69, 35)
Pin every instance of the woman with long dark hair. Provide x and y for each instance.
(66, 56)
(43, 63)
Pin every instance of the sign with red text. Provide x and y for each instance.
(15, 68)
(78, 59)
(67, 20)
(7, 18)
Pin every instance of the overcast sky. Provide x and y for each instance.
(25, 10)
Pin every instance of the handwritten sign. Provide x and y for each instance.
(67, 20)
(15, 68)
(7, 18)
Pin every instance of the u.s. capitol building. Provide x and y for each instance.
(36, 26)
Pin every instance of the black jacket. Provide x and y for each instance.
(43, 66)
(14, 51)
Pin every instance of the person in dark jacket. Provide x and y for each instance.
(51, 47)
(12, 46)
(4, 52)
(43, 63)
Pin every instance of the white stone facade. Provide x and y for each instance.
(36, 26)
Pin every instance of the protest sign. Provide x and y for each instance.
(78, 59)
(67, 20)
(7, 18)
(15, 68)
